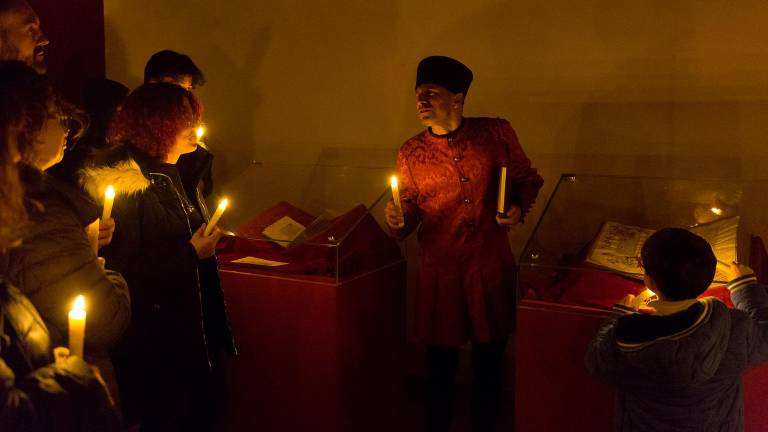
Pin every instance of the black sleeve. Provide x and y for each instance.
(16, 410)
(56, 264)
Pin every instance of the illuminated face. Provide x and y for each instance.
(184, 81)
(49, 147)
(186, 140)
(21, 38)
(435, 104)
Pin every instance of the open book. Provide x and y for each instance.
(617, 246)
(284, 231)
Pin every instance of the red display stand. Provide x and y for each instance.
(319, 351)
(554, 392)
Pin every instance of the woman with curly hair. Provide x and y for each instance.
(168, 364)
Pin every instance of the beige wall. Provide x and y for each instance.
(655, 87)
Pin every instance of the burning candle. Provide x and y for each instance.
(501, 205)
(216, 216)
(395, 192)
(109, 199)
(77, 327)
(200, 132)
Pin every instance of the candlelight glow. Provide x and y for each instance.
(393, 181)
(200, 132)
(716, 210)
(110, 193)
(79, 307)
(223, 204)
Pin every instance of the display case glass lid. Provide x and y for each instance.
(598, 223)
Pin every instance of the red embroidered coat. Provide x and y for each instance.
(449, 188)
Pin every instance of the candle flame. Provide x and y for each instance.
(223, 204)
(716, 210)
(79, 304)
(200, 132)
(393, 181)
(110, 192)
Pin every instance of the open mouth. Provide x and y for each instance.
(39, 52)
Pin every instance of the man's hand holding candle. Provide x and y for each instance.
(394, 215)
(513, 216)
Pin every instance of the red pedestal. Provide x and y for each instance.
(316, 355)
(554, 390)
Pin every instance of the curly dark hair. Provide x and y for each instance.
(680, 262)
(25, 100)
(152, 116)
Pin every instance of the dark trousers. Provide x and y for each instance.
(487, 383)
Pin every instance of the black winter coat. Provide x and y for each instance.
(55, 264)
(180, 322)
(36, 395)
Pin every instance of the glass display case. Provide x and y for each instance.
(322, 221)
(567, 291)
(316, 294)
(560, 263)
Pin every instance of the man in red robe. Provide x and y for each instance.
(449, 184)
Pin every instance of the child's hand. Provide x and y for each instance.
(738, 270)
(630, 301)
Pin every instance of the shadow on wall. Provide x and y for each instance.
(233, 138)
(117, 54)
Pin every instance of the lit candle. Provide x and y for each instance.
(395, 193)
(501, 205)
(200, 132)
(77, 327)
(109, 199)
(216, 216)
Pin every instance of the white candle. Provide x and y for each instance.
(395, 192)
(216, 216)
(109, 199)
(501, 205)
(77, 327)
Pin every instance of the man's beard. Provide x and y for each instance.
(10, 52)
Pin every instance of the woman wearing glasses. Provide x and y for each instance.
(36, 394)
(56, 262)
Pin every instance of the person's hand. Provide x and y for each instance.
(106, 229)
(513, 216)
(205, 245)
(737, 270)
(630, 301)
(394, 215)
(102, 262)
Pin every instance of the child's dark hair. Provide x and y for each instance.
(681, 263)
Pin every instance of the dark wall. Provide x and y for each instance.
(76, 31)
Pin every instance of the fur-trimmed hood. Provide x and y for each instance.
(125, 176)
